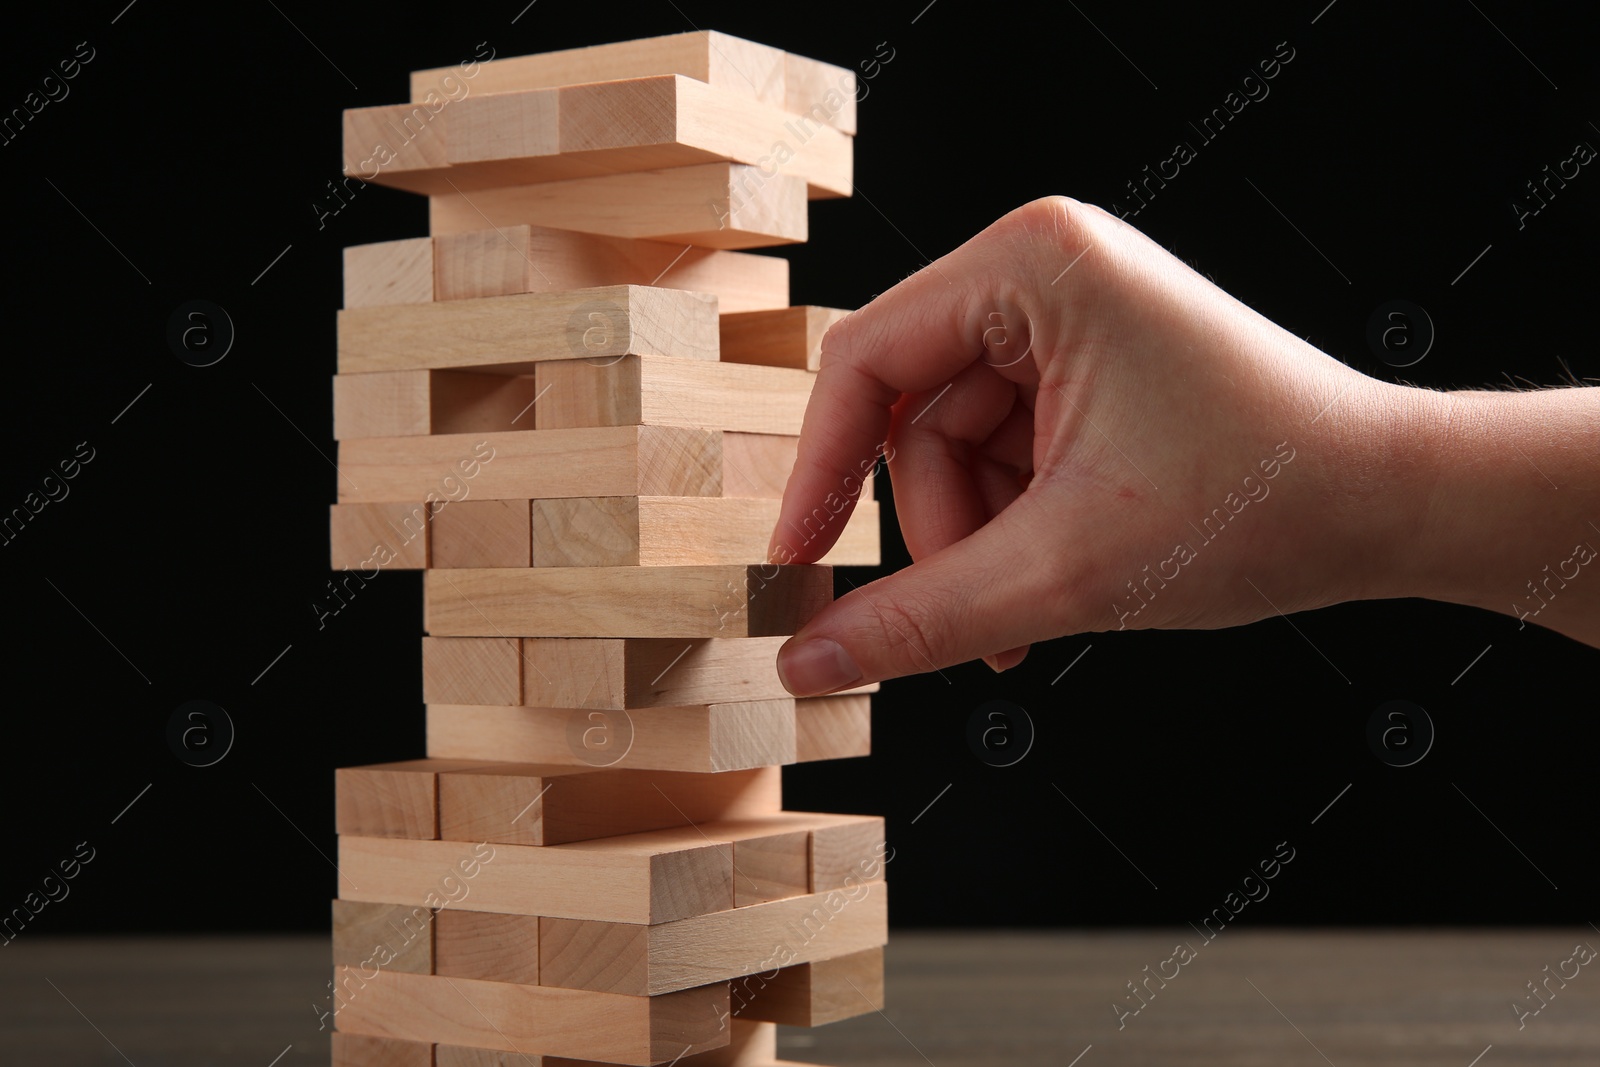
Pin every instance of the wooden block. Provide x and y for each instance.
(363, 537)
(820, 91)
(653, 960)
(388, 800)
(728, 62)
(817, 993)
(483, 533)
(787, 337)
(358, 1050)
(393, 936)
(645, 878)
(758, 465)
(846, 850)
(513, 259)
(528, 464)
(389, 272)
(712, 205)
(750, 1044)
(833, 727)
(685, 602)
(676, 531)
(771, 867)
(615, 127)
(472, 670)
(534, 804)
(495, 948)
(536, 1019)
(509, 334)
(402, 145)
(672, 391)
(464, 1056)
(707, 737)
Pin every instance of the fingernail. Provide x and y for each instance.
(994, 663)
(820, 665)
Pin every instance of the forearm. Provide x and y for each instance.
(1504, 496)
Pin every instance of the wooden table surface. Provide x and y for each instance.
(954, 999)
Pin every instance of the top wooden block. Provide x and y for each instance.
(775, 78)
(582, 131)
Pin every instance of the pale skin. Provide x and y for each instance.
(1094, 419)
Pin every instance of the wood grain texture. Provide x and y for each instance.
(533, 804)
(846, 850)
(482, 533)
(712, 205)
(389, 272)
(820, 91)
(644, 960)
(525, 1018)
(704, 738)
(495, 948)
(786, 337)
(358, 1050)
(509, 334)
(675, 531)
(613, 127)
(816, 993)
(363, 537)
(833, 727)
(659, 602)
(388, 799)
(472, 670)
(672, 391)
(771, 867)
(518, 258)
(395, 936)
(727, 62)
(645, 878)
(527, 464)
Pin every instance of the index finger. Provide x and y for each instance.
(919, 334)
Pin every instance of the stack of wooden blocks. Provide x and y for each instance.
(575, 406)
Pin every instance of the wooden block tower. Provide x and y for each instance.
(575, 405)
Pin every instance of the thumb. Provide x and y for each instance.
(1002, 587)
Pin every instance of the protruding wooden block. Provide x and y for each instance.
(680, 602)
(846, 850)
(495, 948)
(537, 1019)
(816, 993)
(786, 337)
(669, 391)
(510, 334)
(714, 205)
(533, 804)
(642, 960)
(358, 1050)
(401, 145)
(388, 799)
(651, 877)
(513, 259)
(472, 670)
(833, 727)
(364, 537)
(705, 738)
(771, 867)
(528, 464)
(483, 533)
(727, 62)
(389, 272)
(395, 936)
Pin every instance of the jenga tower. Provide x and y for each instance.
(575, 405)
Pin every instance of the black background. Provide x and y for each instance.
(190, 550)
